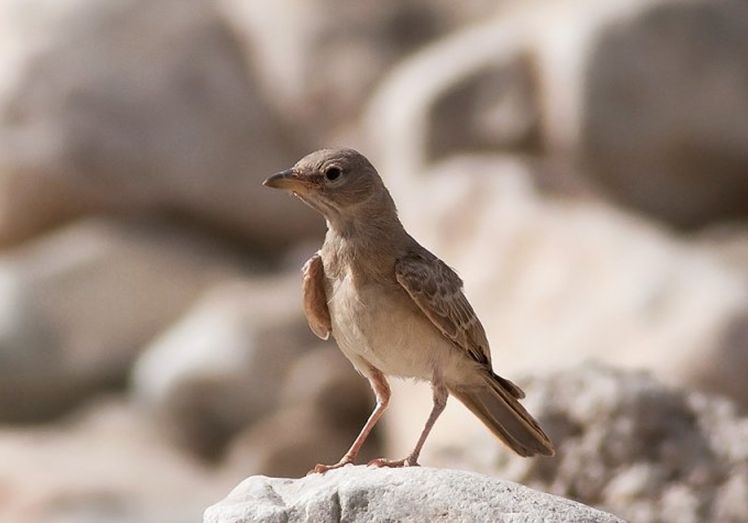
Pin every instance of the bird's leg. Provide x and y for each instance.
(382, 392)
(440, 401)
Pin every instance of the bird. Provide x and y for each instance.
(394, 308)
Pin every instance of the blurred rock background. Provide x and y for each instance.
(582, 164)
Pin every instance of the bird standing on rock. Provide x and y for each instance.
(394, 308)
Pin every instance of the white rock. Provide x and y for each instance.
(79, 304)
(362, 494)
(625, 443)
(108, 464)
(320, 69)
(620, 87)
(139, 106)
(323, 405)
(222, 365)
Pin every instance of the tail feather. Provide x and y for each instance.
(497, 407)
(513, 389)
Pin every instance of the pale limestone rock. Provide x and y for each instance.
(362, 494)
(109, 463)
(222, 365)
(323, 404)
(79, 304)
(136, 106)
(649, 98)
(625, 443)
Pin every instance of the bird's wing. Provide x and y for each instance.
(315, 299)
(437, 290)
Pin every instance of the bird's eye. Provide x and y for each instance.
(333, 173)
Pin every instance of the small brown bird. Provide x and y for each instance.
(394, 308)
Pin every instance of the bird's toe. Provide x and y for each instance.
(321, 469)
(390, 463)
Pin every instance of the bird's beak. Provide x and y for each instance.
(287, 180)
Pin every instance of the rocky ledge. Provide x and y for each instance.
(364, 494)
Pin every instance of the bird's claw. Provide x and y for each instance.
(321, 469)
(405, 462)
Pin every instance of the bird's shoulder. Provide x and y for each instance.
(419, 262)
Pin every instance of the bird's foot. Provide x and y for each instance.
(321, 469)
(405, 462)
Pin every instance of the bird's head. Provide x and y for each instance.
(335, 182)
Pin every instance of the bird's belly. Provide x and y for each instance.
(383, 330)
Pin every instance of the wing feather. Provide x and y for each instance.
(437, 290)
(315, 298)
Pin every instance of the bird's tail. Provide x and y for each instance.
(496, 402)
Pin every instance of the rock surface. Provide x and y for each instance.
(667, 131)
(108, 463)
(78, 305)
(625, 443)
(323, 405)
(362, 494)
(222, 365)
(319, 71)
(647, 98)
(90, 121)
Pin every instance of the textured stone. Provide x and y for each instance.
(319, 71)
(625, 443)
(648, 98)
(79, 304)
(664, 118)
(362, 494)
(109, 463)
(323, 405)
(137, 106)
(222, 365)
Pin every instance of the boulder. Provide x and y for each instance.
(625, 443)
(319, 71)
(648, 99)
(222, 365)
(664, 115)
(326, 381)
(107, 463)
(323, 405)
(362, 494)
(78, 305)
(141, 107)
(290, 442)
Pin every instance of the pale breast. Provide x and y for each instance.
(377, 324)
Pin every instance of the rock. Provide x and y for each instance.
(90, 122)
(107, 463)
(291, 441)
(359, 494)
(325, 380)
(729, 241)
(320, 70)
(222, 365)
(78, 305)
(625, 443)
(664, 118)
(323, 405)
(639, 95)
